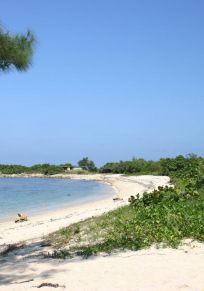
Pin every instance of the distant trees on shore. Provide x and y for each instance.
(189, 166)
(134, 166)
(87, 164)
(180, 166)
(45, 169)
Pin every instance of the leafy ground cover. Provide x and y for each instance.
(164, 217)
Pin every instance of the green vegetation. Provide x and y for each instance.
(163, 217)
(45, 169)
(48, 169)
(15, 51)
(136, 166)
(87, 164)
(180, 166)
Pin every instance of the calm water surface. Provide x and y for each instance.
(32, 195)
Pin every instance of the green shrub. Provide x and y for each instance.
(165, 216)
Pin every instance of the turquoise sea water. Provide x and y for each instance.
(33, 195)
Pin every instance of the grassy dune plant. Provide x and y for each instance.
(165, 216)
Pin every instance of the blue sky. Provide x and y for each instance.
(110, 80)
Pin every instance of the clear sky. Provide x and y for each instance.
(110, 80)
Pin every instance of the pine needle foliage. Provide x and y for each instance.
(16, 51)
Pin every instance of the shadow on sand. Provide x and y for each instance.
(27, 264)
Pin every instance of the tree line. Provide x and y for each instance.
(180, 166)
(84, 164)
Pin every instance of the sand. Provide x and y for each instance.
(152, 269)
(40, 225)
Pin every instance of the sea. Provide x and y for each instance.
(38, 195)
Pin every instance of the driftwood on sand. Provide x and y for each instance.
(50, 285)
(21, 217)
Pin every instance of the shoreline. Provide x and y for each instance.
(40, 225)
(53, 209)
(148, 269)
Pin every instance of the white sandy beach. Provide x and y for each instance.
(40, 225)
(152, 269)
